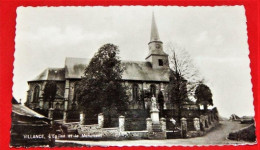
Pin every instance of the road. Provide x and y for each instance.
(216, 137)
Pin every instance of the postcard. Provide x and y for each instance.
(132, 76)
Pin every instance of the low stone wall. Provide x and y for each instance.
(198, 126)
(191, 134)
(202, 125)
(94, 132)
(72, 125)
(135, 120)
(135, 124)
(135, 135)
(110, 133)
(98, 132)
(189, 127)
(89, 129)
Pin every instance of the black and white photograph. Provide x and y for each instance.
(131, 76)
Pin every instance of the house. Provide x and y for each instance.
(29, 128)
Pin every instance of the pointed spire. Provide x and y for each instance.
(154, 31)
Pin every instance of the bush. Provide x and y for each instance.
(246, 134)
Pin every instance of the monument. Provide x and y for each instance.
(154, 111)
(157, 129)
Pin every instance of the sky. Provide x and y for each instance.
(215, 38)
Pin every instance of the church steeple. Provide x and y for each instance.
(156, 55)
(154, 31)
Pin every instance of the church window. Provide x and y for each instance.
(135, 92)
(160, 61)
(36, 93)
(153, 90)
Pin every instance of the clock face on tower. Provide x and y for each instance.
(158, 46)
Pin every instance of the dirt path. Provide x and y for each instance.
(215, 137)
(219, 134)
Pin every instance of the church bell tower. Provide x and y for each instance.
(157, 57)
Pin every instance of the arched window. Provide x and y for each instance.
(36, 93)
(135, 92)
(153, 90)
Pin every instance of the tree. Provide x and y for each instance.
(204, 96)
(49, 92)
(184, 76)
(101, 89)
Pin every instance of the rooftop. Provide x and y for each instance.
(133, 70)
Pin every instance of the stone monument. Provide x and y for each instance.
(155, 131)
(154, 111)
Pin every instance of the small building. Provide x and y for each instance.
(29, 128)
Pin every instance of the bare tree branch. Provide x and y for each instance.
(183, 66)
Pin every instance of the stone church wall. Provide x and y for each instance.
(138, 104)
(30, 95)
(144, 87)
(135, 119)
(40, 103)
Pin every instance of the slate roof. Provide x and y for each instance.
(142, 70)
(56, 74)
(75, 67)
(25, 111)
(133, 70)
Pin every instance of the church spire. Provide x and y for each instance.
(156, 56)
(154, 31)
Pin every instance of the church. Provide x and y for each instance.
(141, 77)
